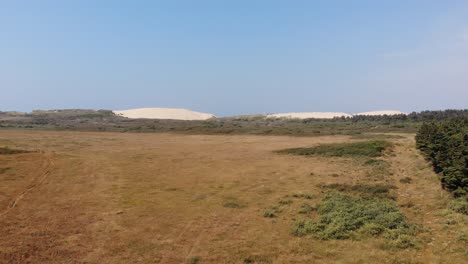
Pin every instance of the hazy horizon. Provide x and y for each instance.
(242, 57)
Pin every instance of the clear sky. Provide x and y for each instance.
(234, 57)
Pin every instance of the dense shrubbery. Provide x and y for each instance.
(343, 216)
(445, 144)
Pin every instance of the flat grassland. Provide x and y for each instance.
(81, 197)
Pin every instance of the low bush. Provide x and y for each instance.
(343, 216)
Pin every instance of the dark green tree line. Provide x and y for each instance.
(445, 144)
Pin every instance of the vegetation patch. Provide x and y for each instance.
(194, 260)
(233, 202)
(378, 168)
(269, 213)
(3, 170)
(342, 216)
(307, 196)
(285, 201)
(406, 180)
(306, 208)
(257, 259)
(9, 151)
(365, 190)
(361, 149)
(460, 205)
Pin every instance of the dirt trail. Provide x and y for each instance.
(38, 180)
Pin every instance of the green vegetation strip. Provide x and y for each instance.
(365, 149)
(364, 190)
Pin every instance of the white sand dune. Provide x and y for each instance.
(163, 113)
(379, 113)
(304, 115)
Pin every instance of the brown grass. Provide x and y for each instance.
(162, 198)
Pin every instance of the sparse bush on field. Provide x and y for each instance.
(406, 180)
(257, 259)
(233, 202)
(3, 170)
(194, 260)
(307, 196)
(377, 190)
(343, 216)
(269, 213)
(285, 201)
(9, 151)
(233, 205)
(463, 236)
(366, 149)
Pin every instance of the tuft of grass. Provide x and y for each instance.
(366, 149)
(9, 151)
(377, 190)
(406, 180)
(233, 205)
(194, 260)
(343, 216)
(269, 213)
(285, 201)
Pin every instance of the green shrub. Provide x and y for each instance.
(343, 216)
(366, 149)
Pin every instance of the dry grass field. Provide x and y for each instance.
(82, 197)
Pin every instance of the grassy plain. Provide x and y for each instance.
(83, 197)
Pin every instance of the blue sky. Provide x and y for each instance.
(234, 57)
